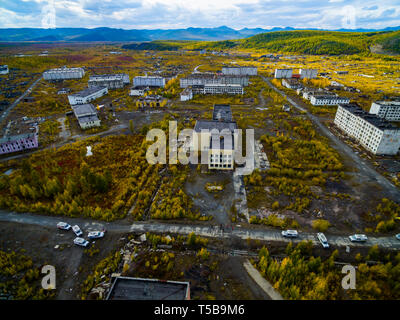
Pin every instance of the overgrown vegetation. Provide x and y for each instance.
(300, 275)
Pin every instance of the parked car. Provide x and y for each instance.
(81, 242)
(290, 233)
(95, 234)
(321, 237)
(358, 238)
(77, 230)
(63, 226)
(398, 236)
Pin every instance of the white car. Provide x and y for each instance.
(398, 236)
(321, 237)
(290, 233)
(81, 242)
(63, 226)
(77, 230)
(95, 234)
(358, 238)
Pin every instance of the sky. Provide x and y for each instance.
(175, 14)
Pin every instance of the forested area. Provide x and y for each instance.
(301, 275)
(19, 278)
(115, 180)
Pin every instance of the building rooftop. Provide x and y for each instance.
(222, 112)
(127, 288)
(223, 85)
(212, 124)
(81, 110)
(85, 119)
(117, 76)
(388, 103)
(88, 91)
(371, 118)
(17, 137)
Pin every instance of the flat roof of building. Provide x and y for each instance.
(388, 103)
(213, 124)
(81, 110)
(17, 137)
(86, 119)
(371, 118)
(223, 85)
(108, 76)
(88, 91)
(127, 288)
(222, 112)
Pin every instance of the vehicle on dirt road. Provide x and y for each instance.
(358, 238)
(77, 230)
(321, 237)
(290, 233)
(81, 242)
(95, 234)
(63, 226)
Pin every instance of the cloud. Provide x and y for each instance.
(152, 14)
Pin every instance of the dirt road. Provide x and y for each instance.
(213, 231)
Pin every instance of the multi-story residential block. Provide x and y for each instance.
(87, 95)
(308, 73)
(205, 78)
(136, 92)
(63, 73)
(373, 133)
(86, 115)
(216, 140)
(111, 81)
(223, 89)
(21, 142)
(4, 69)
(283, 73)
(240, 71)
(389, 110)
(328, 100)
(186, 94)
(307, 93)
(291, 84)
(148, 81)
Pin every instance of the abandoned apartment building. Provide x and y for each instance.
(216, 138)
(19, 135)
(111, 81)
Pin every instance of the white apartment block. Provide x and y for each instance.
(328, 100)
(111, 81)
(87, 95)
(291, 84)
(136, 92)
(186, 94)
(374, 134)
(148, 81)
(240, 71)
(86, 115)
(283, 73)
(63, 73)
(223, 89)
(4, 69)
(389, 110)
(308, 73)
(216, 140)
(198, 79)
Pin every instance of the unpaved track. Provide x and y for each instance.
(206, 231)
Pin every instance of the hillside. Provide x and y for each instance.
(301, 42)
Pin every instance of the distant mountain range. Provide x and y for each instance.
(140, 35)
